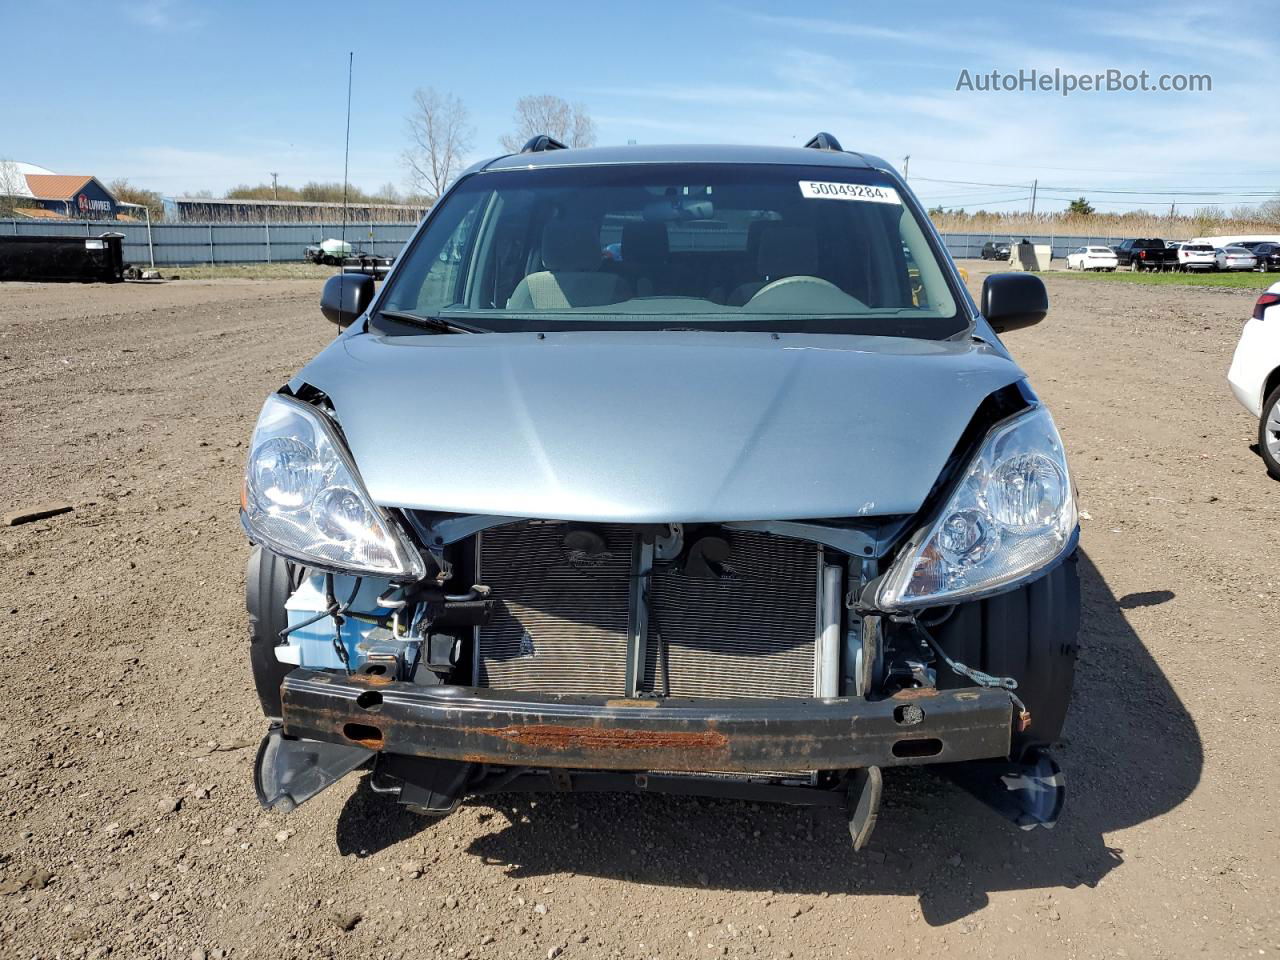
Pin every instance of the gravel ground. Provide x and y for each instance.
(128, 823)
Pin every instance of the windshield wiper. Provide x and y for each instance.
(436, 324)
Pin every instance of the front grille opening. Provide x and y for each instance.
(745, 628)
(562, 624)
(750, 634)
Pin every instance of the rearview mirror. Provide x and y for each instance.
(1013, 300)
(345, 297)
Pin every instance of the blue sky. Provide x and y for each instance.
(179, 95)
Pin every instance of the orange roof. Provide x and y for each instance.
(55, 186)
(39, 213)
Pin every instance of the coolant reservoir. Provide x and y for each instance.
(312, 645)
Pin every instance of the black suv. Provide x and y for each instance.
(996, 249)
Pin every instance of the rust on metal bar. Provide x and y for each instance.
(915, 693)
(549, 736)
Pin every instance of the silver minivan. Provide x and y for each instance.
(687, 469)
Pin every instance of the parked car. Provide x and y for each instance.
(996, 249)
(1145, 254)
(330, 252)
(1267, 255)
(1195, 257)
(1234, 258)
(351, 258)
(496, 550)
(1255, 374)
(1092, 258)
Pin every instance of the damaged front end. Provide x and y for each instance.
(460, 653)
(732, 659)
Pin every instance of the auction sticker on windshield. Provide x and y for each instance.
(817, 190)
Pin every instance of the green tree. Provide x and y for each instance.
(1081, 207)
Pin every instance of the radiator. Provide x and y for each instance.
(563, 624)
(751, 634)
(563, 621)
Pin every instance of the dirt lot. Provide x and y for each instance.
(129, 827)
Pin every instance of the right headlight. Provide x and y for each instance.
(1012, 513)
(303, 498)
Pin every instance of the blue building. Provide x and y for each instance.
(64, 196)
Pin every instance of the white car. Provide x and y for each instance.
(1234, 258)
(1091, 258)
(1196, 256)
(1255, 374)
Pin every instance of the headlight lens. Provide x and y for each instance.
(303, 499)
(1012, 513)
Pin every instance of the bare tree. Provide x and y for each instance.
(554, 116)
(440, 133)
(13, 187)
(126, 192)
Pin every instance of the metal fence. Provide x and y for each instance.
(964, 245)
(182, 244)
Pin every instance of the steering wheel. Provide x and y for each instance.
(814, 293)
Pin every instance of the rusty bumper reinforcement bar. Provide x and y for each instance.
(481, 725)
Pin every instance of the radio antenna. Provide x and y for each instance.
(346, 161)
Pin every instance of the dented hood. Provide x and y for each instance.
(655, 426)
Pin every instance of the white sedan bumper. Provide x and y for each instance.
(1257, 357)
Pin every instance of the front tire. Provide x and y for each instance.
(1269, 433)
(1030, 634)
(268, 581)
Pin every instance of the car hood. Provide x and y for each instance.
(655, 426)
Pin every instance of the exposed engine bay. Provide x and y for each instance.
(635, 614)
(607, 609)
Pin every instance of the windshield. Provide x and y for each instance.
(705, 246)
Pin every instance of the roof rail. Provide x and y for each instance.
(542, 143)
(824, 141)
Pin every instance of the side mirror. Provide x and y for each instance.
(345, 297)
(1013, 300)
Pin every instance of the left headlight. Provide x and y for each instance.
(1012, 513)
(303, 498)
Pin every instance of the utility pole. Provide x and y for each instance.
(906, 166)
(275, 194)
(1034, 184)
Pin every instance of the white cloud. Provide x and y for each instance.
(164, 15)
(175, 170)
(1096, 140)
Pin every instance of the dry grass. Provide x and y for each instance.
(251, 271)
(1113, 225)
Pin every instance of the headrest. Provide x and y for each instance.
(787, 251)
(571, 246)
(645, 242)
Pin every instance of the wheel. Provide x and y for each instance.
(1269, 433)
(1030, 634)
(268, 581)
